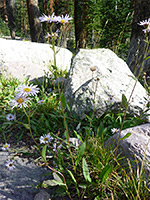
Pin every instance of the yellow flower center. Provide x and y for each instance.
(27, 89)
(62, 21)
(45, 139)
(20, 100)
(5, 146)
(10, 164)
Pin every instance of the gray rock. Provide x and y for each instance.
(19, 183)
(87, 89)
(137, 144)
(42, 195)
(22, 59)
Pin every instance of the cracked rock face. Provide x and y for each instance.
(22, 59)
(19, 183)
(88, 89)
(137, 144)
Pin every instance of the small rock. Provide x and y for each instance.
(42, 195)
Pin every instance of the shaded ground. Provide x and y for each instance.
(20, 183)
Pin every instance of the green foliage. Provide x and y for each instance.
(44, 152)
(80, 153)
(22, 24)
(109, 24)
(86, 170)
(4, 30)
(124, 101)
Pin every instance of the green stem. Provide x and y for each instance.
(65, 123)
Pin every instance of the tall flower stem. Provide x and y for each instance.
(65, 122)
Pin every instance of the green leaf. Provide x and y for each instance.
(66, 135)
(82, 185)
(78, 136)
(68, 106)
(124, 101)
(44, 153)
(146, 41)
(105, 172)
(80, 153)
(53, 183)
(97, 198)
(72, 176)
(89, 118)
(57, 178)
(147, 58)
(74, 180)
(86, 170)
(126, 136)
(25, 125)
(63, 100)
(47, 124)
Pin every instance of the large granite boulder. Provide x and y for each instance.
(22, 59)
(137, 145)
(97, 80)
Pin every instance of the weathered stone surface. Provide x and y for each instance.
(22, 59)
(112, 78)
(19, 183)
(137, 144)
(42, 195)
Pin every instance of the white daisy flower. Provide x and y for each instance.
(49, 19)
(45, 139)
(41, 101)
(44, 18)
(26, 90)
(10, 164)
(19, 101)
(10, 117)
(115, 130)
(5, 147)
(64, 19)
(146, 25)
